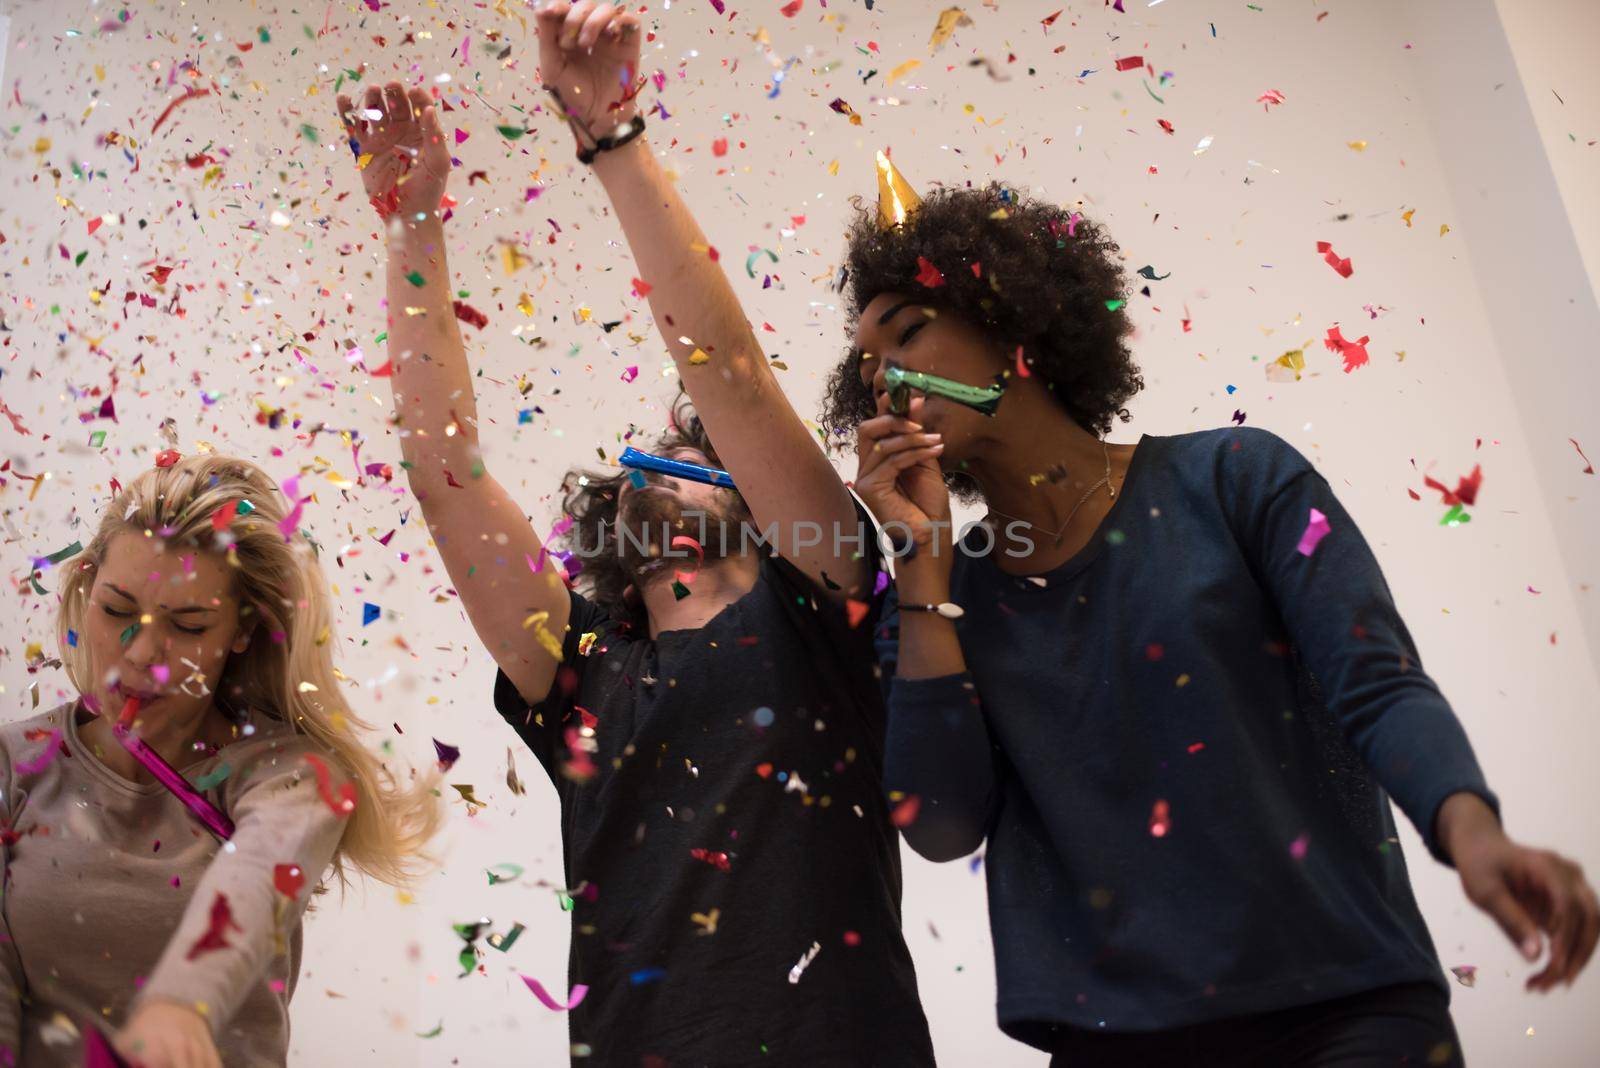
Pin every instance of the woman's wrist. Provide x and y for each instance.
(1465, 821)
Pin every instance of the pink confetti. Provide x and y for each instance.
(42, 761)
(579, 992)
(291, 522)
(1297, 848)
(461, 135)
(1316, 530)
(630, 374)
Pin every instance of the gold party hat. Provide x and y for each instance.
(896, 199)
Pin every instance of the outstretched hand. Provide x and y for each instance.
(404, 161)
(1530, 893)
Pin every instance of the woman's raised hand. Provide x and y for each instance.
(589, 54)
(404, 161)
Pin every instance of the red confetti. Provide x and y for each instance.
(1354, 352)
(716, 860)
(1588, 467)
(1022, 368)
(790, 10)
(167, 457)
(289, 879)
(719, 147)
(188, 95)
(224, 515)
(469, 315)
(1130, 62)
(855, 611)
(928, 274)
(344, 802)
(216, 936)
(905, 813)
(641, 287)
(1342, 266)
(1466, 491)
(1160, 820)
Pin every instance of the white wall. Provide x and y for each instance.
(1236, 226)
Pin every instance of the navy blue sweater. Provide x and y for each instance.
(1180, 747)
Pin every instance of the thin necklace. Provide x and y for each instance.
(1111, 491)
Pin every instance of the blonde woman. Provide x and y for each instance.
(199, 597)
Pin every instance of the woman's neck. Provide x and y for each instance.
(172, 737)
(1045, 470)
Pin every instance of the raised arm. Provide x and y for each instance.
(514, 598)
(938, 757)
(590, 54)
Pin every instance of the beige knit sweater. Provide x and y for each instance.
(111, 890)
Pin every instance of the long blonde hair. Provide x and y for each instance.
(289, 672)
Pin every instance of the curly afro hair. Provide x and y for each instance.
(1042, 281)
(590, 498)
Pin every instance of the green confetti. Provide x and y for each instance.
(245, 507)
(504, 873)
(78, 262)
(1113, 305)
(97, 439)
(504, 942)
(435, 1033)
(213, 778)
(63, 554)
(263, 35)
(127, 636)
(511, 133)
(381, 338)
(679, 590)
(416, 279)
(309, 132)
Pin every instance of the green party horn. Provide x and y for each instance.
(900, 382)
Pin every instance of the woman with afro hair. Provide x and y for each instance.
(1164, 681)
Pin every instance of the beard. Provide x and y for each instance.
(648, 521)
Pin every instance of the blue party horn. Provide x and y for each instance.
(663, 465)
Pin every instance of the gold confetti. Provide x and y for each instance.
(949, 19)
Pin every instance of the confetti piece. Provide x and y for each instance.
(1588, 468)
(40, 762)
(905, 813)
(574, 999)
(1160, 820)
(369, 613)
(503, 873)
(447, 754)
(216, 934)
(288, 879)
(1466, 974)
(716, 860)
(1333, 260)
(629, 374)
(805, 962)
(928, 274)
(949, 20)
(469, 315)
(214, 778)
(504, 942)
(1130, 63)
(1268, 98)
(1466, 491)
(750, 260)
(1298, 847)
(344, 801)
(902, 70)
(1316, 530)
(188, 95)
(1353, 352)
(646, 975)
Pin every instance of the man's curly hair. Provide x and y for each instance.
(590, 499)
(1022, 271)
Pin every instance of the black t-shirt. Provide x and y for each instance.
(737, 781)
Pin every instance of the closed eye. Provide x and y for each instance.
(129, 615)
(911, 332)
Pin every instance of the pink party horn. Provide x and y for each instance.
(219, 824)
